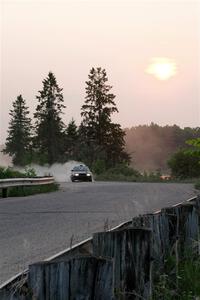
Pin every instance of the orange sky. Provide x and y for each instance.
(70, 37)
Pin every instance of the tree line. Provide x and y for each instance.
(153, 147)
(46, 139)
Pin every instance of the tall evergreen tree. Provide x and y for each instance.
(49, 138)
(18, 142)
(97, 124)
(116, 146)
(71, 140)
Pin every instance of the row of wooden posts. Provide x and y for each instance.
(121, 264)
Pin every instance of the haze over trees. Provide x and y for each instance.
(151, 146)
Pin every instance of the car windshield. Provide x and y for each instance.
(80, 168)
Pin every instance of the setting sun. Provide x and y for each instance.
(162, 68)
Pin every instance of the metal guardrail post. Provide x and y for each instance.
(5, 184)
(4, 193)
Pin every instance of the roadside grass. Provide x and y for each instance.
(125, 178)
(123, 172)
(152, 177)
(181, 285)
(115, 177)
(12, 173)
(197, 184)
(22, 191)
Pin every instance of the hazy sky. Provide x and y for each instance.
(71, 37)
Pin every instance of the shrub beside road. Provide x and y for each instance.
(6, 173)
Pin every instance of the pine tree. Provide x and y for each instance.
(116, 153)
(87, 149)
(71, 140)
(49, 139)
(18, 142)
(99, 105)
(96, 112)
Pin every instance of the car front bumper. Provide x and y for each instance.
(81, 177)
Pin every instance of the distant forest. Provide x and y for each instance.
(151, 146)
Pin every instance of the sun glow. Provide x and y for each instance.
(162, 68)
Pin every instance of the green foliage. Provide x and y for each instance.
(120, 172)
(197, 185)
(18, 142)
(12, 173)
(98, 166)
(30, 172)
(123, 172)
(152, 176)
(39, 158)
(182, 286)
(6, 173)
(184, 164)
(194, 142)
(189, 275)
(88, 151)
(99, 138)
(115, 148)
(49, 139)
(99, 105)
(22, 191)
(71, 141)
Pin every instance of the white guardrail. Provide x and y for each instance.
(15, 182)
(5, 183)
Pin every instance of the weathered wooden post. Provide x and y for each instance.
(87, 278)
(130, 250)
(158, 224)
(184, 225)
(91, 278)
(172, 226)
(49, 280)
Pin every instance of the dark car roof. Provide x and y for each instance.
(80, 168)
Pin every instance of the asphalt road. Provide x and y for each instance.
(35, 227)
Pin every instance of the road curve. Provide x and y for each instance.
(35, 227)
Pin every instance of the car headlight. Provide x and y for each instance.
(76, 174)
(88, 174)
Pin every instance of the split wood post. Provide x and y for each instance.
(158, 224)
(183, 227)
(130, 250)
(87, 278)
(91, 278)
(49, 281)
